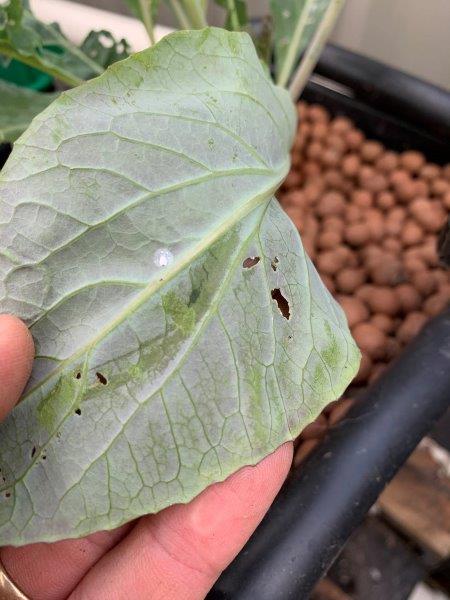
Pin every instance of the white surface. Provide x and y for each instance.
(77, 20)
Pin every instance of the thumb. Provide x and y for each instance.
(16, 359)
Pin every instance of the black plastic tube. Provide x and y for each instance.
(388, 89)
(327, 498)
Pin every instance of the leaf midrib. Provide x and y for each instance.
(154, 286)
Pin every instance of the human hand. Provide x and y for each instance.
(174, 555)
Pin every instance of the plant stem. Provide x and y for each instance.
(294, 44)
(233, 15)
(33, 62)
(179, 13)
(195, 13)
(147, 18)
(315, 48)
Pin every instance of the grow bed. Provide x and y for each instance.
(369, 191)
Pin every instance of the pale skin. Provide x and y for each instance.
(175, 555)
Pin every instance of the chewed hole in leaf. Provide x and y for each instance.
(282, 303)
(102, 379)
(78, 375)
(274, 263)
(78, 411)
(250, 262)
(33, 451)
(7, 494)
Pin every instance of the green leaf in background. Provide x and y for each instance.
(104, 49)
(295, 22)
(147, 12)
(18, 106)
(181, 332)
(44, 47)
(237, 17)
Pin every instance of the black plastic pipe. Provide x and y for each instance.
(328, 496)
(395, 92)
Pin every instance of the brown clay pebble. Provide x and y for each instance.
(350, 165)
(412, 161)
(329, 262)
(348, 280)
(446, 200)
(316, 429)
(371, 151)
(357, 234)
(318, 113)
(341, 125)
(436, 304)
(423, 281)
(377, 370)
(365, 292)
(387, 162)
(392, 245)
(411, 326)
(329, 239)
(384, 300)
(411, 233)
(370, 339)
(385, 200)
(331, 204)
(354, 139)
(333, 224)
(355, 309)
(365, 368)
(362, 198)
(393, 348)
(439, 187)
(430, 171)
(339, 411)
(387, 270)
(383, 322)
(409, 298)
(303, 450)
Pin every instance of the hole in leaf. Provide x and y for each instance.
(274, 263)
(283, 304)
(33, 451)
(78, 411)
(78, 375)
(102, 378)
(7, 494)
(44, 457)
(250, 262)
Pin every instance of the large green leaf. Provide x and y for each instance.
(43, 46)
(18, 106)
(180, 330)
(295, 22)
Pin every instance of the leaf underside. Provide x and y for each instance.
(18, 106)
(181, 332)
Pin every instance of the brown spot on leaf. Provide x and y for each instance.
(250, 262)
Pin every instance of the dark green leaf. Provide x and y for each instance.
(44, 47)
(101, 47)
(18, 106)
